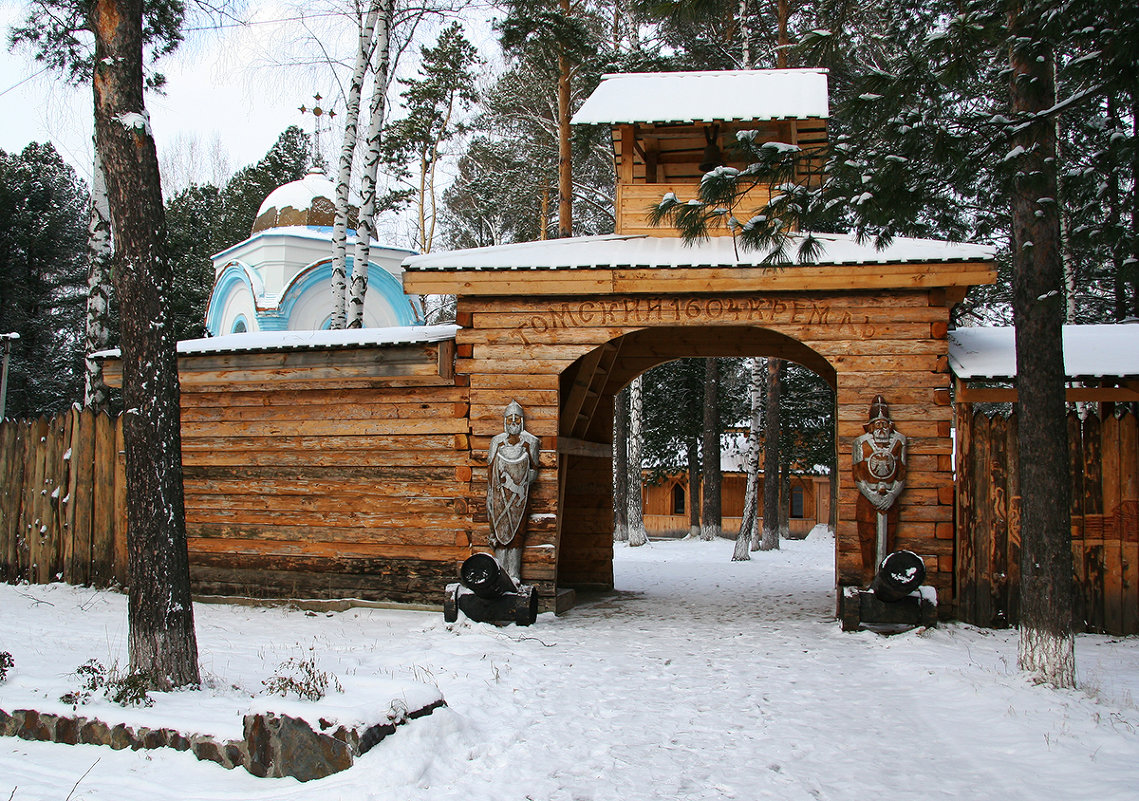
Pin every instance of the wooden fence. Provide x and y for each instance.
(1104, 475)
(62, 501)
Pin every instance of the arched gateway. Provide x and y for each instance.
(561, 326)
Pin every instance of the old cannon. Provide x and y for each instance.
(487, 594)
(896, 600)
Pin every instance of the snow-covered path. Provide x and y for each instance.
(700, 679)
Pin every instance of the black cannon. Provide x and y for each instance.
(487, 594)
(895, 601)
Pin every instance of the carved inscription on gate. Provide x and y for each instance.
(701, 310)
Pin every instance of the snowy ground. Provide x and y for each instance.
(700, 679)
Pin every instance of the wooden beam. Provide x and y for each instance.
(580, 447)
(967, 394)
(628, 142)
(647, 280)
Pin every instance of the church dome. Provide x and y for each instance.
(309, 201)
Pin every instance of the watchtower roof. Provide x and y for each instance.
(671, 97)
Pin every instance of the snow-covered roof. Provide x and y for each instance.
(670, 252)
(265, 341)
(1089, 350)
(706, 97)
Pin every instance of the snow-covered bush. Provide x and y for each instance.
(125, 690)
(302, 677)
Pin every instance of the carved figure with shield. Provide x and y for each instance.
(512, 466)
(880, 469)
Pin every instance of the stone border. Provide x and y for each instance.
(273, 745)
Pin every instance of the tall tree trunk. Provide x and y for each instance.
(1134, 255)
(364, 47)
(96, 396)
(637, 535)
(1113, 199)
(712, 523)
(745, 39)
(783, 41)
(161, 640)
(692, 458)
(621, 466)
(769, 540)
(784, 496)
(1046, 639)
(366, 225)
(565, 156)
(751, 492)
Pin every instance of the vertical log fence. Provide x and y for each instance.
(1104, 476)
(62, 500)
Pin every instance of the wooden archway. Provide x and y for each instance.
(563, 341)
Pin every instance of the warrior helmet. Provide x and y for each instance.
(879, 409)
(514, 408)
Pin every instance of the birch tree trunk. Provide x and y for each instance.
(745, 39)
(366, 225)
(364, 48)
(712, 524)
(161, 640)
(637, 535)
(769, 540)
(97, 335)
(751, 492)
(621, 466)
(1047, 644)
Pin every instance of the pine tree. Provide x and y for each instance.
(161, 642)
(434, 102)
(43, 206)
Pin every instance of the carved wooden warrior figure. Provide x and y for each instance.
(512, 466)
(880, 459)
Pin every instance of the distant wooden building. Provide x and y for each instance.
(666, 510)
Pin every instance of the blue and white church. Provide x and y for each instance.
(279, 278)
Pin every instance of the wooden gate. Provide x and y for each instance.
(1104, 475)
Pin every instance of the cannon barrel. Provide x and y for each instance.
(487, 594)
(483, 576)
(900, 573)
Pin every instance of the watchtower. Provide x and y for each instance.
(671, 128)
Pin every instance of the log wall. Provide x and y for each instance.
(62, 501)
(1104, 474)
(337, 474)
